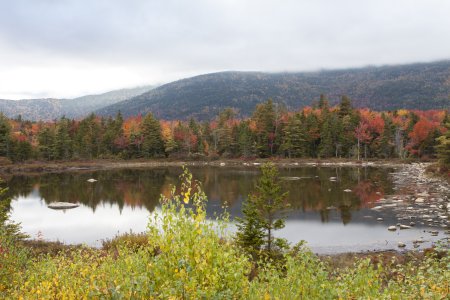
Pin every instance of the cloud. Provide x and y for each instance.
(77, 46)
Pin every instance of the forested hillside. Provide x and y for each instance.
(415, 86)
(50, 109)
(271, 131)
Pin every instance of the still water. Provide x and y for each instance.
(330, 219)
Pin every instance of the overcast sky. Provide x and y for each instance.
(68, 48)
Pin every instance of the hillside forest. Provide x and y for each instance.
(320, 131)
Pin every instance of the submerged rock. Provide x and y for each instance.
(290, 178)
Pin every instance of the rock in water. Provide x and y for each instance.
(91, 180)
(347, 190)
(62, 205)
(404, 226)
(379, 219)
(290, 178)
(401, 245)
(392, 228)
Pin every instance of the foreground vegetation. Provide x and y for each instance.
(186, 256)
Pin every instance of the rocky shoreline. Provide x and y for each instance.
(419, 199)
(94, 165)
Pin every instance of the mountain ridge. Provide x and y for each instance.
(46, 109)
(411, 86)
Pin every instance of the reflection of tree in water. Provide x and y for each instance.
(315, 191)
(142, 187)
(229, 185)
(124, 187)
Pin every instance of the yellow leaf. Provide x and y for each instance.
(266, 296)
(187, 195)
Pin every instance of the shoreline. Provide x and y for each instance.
(39, 167)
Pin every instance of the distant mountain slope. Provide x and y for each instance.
(414, 86)
(48, 109)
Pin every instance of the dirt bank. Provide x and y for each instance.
(74, 166)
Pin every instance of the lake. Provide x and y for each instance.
(331, 207)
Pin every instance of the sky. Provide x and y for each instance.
(69, 48)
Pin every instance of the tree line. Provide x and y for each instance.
(272, 130)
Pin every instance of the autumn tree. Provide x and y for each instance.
(362, 136)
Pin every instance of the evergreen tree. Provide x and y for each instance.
(386, 146)
(87, 139)
(326, 147)
(345, 107)
(63, 141)
(264, 117)
(152, 144)
(5, 136)
(294, 141)
(262, 213)
(312, 134)
(443, 148)
(323, 102)
(245, 140)
(46, 140)
(21, 151)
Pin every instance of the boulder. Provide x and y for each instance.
(62, 205)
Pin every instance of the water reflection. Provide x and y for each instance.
(313, 191)
(323, 213)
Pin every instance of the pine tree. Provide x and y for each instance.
(63, 142)
(46, 139)
(326, 147)
(345, 107)
(443, 148)
(323, 102)
(386, 147)
(264, 117)
(250, 233)
(262, 213)
(5, 136)
(153, 144)
(294, 141)
(245, 139)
